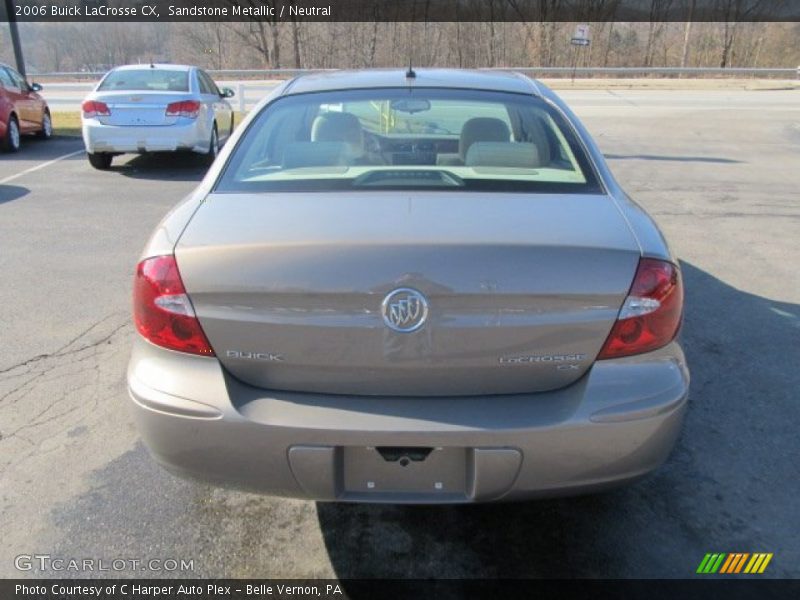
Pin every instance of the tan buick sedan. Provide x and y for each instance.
(409, 287)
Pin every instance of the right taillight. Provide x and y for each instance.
(93, 108)
(162, 311)
(651, 314)
(186, 108)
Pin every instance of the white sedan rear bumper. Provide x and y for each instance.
(168, 138)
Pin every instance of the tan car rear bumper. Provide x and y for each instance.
(615, 424)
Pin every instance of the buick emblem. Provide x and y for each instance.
(404, 310)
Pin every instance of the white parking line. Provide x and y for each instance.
(41, 166)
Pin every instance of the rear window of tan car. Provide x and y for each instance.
(409, 138)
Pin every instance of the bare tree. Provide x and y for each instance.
(733, 13)
(298, 63)
(540, 22)
(658, 11)
(261, 34)
(210, 40)
(687, 33)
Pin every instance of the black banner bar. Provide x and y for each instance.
(707, 587)
(406, 10)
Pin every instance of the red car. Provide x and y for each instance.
(22, 110)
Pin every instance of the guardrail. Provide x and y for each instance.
(64, 91)
(786, 72)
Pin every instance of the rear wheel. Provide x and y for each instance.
(213, 146)
(47, 127)
(11, 141)
(100, 160)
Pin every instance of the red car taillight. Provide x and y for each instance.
(651, 315)
(93, 108)
(187, 108)
(162, 310)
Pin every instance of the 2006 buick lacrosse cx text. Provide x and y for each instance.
(409, 287)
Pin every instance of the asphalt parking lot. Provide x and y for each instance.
(720, 173)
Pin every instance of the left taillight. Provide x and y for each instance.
(162, 311)
(187, 108)
(93, 108)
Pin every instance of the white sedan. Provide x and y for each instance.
(155, 108)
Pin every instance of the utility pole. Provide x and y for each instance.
(12, 25)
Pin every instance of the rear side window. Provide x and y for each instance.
(207, 85)
(153, 80)
(409, 138)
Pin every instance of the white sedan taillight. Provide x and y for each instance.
(187, 108)
(93, 108)
(651, 314)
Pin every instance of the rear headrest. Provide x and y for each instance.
(538, 136)
(521, 155)
(482, 129)
(339, 127)
(314, 154)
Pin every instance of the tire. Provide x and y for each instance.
(11, 141)
(47, 127)
(100, 160)
(213, 146)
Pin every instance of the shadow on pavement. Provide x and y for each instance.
(9, 193)
(730, 484)
(162, 166)
(532, 539)
(34, 149)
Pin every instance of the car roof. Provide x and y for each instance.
(494, 80)
(155, 66)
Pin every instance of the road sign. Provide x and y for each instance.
(581, 37)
